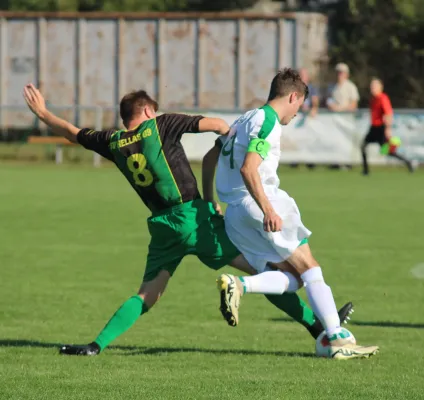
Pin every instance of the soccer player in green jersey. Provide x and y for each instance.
(150, 156)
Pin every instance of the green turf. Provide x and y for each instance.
(73, 246)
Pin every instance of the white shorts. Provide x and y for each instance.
(244, 226)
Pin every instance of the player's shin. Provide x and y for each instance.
(294, 307)
(270, 282)
(321, 300)
(121, 321)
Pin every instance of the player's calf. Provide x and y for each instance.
(322, 303)
(319, 293)
(125, 317)
(317, 328)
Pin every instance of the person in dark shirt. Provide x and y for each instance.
(150, 155)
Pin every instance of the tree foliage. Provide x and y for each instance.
(383, 38)
(124, 5)
(220, 5)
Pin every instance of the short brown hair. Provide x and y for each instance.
(132, 103)
(285, 82)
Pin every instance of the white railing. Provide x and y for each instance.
(325, 139)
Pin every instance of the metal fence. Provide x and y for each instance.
(209, 61)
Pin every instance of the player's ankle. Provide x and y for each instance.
(95, 346)
(241, 284)
(315, 329)
(335, 334)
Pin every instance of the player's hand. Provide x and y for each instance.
(272, 222)
(388, 133)
(35, 100)
(217, 208)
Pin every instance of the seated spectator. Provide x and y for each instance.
(344, 95)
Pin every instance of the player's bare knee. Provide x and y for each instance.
(310, 263)
(149, 297)
(241, 264)
(151, 291)
(302, 260)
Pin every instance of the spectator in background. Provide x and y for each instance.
(311, 104)
(344, 96)
(381, 124)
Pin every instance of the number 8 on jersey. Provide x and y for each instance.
(136, 163)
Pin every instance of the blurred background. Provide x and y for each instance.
(215, 58)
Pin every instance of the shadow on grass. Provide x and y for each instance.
(46, 345)
(243, 352)
(387, 324)
(377, 324)
(135, 350)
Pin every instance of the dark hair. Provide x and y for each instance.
(285, 82)
(132, 103)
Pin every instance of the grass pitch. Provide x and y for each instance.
(73, 246)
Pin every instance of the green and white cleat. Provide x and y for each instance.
(231, 290)
(348, 351)
(342, 346)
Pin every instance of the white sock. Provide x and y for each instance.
(293, 283)
(321, 300)
(269, 282)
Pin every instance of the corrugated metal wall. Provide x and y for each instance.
(206, 61)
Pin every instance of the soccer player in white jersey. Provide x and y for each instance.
(264, 222)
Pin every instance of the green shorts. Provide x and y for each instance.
(190, 228)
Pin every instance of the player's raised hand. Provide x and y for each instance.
(35, 100)
(272, 222)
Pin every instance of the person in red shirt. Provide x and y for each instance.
(381, 123)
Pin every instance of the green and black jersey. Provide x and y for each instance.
(151, 157)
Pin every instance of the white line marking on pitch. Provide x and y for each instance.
(418, 271)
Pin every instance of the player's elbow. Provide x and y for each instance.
(72, 138)
(219, 126)
(222, 127)
(250, 165)
(246, 171)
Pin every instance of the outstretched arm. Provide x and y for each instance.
(216, 125)
(37, 105)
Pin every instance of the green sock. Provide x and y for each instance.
(121, 321)
(295, 307)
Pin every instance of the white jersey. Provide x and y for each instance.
(256, 131)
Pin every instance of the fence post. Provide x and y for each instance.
(3, 72)
(97, 159)
(59, 154)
